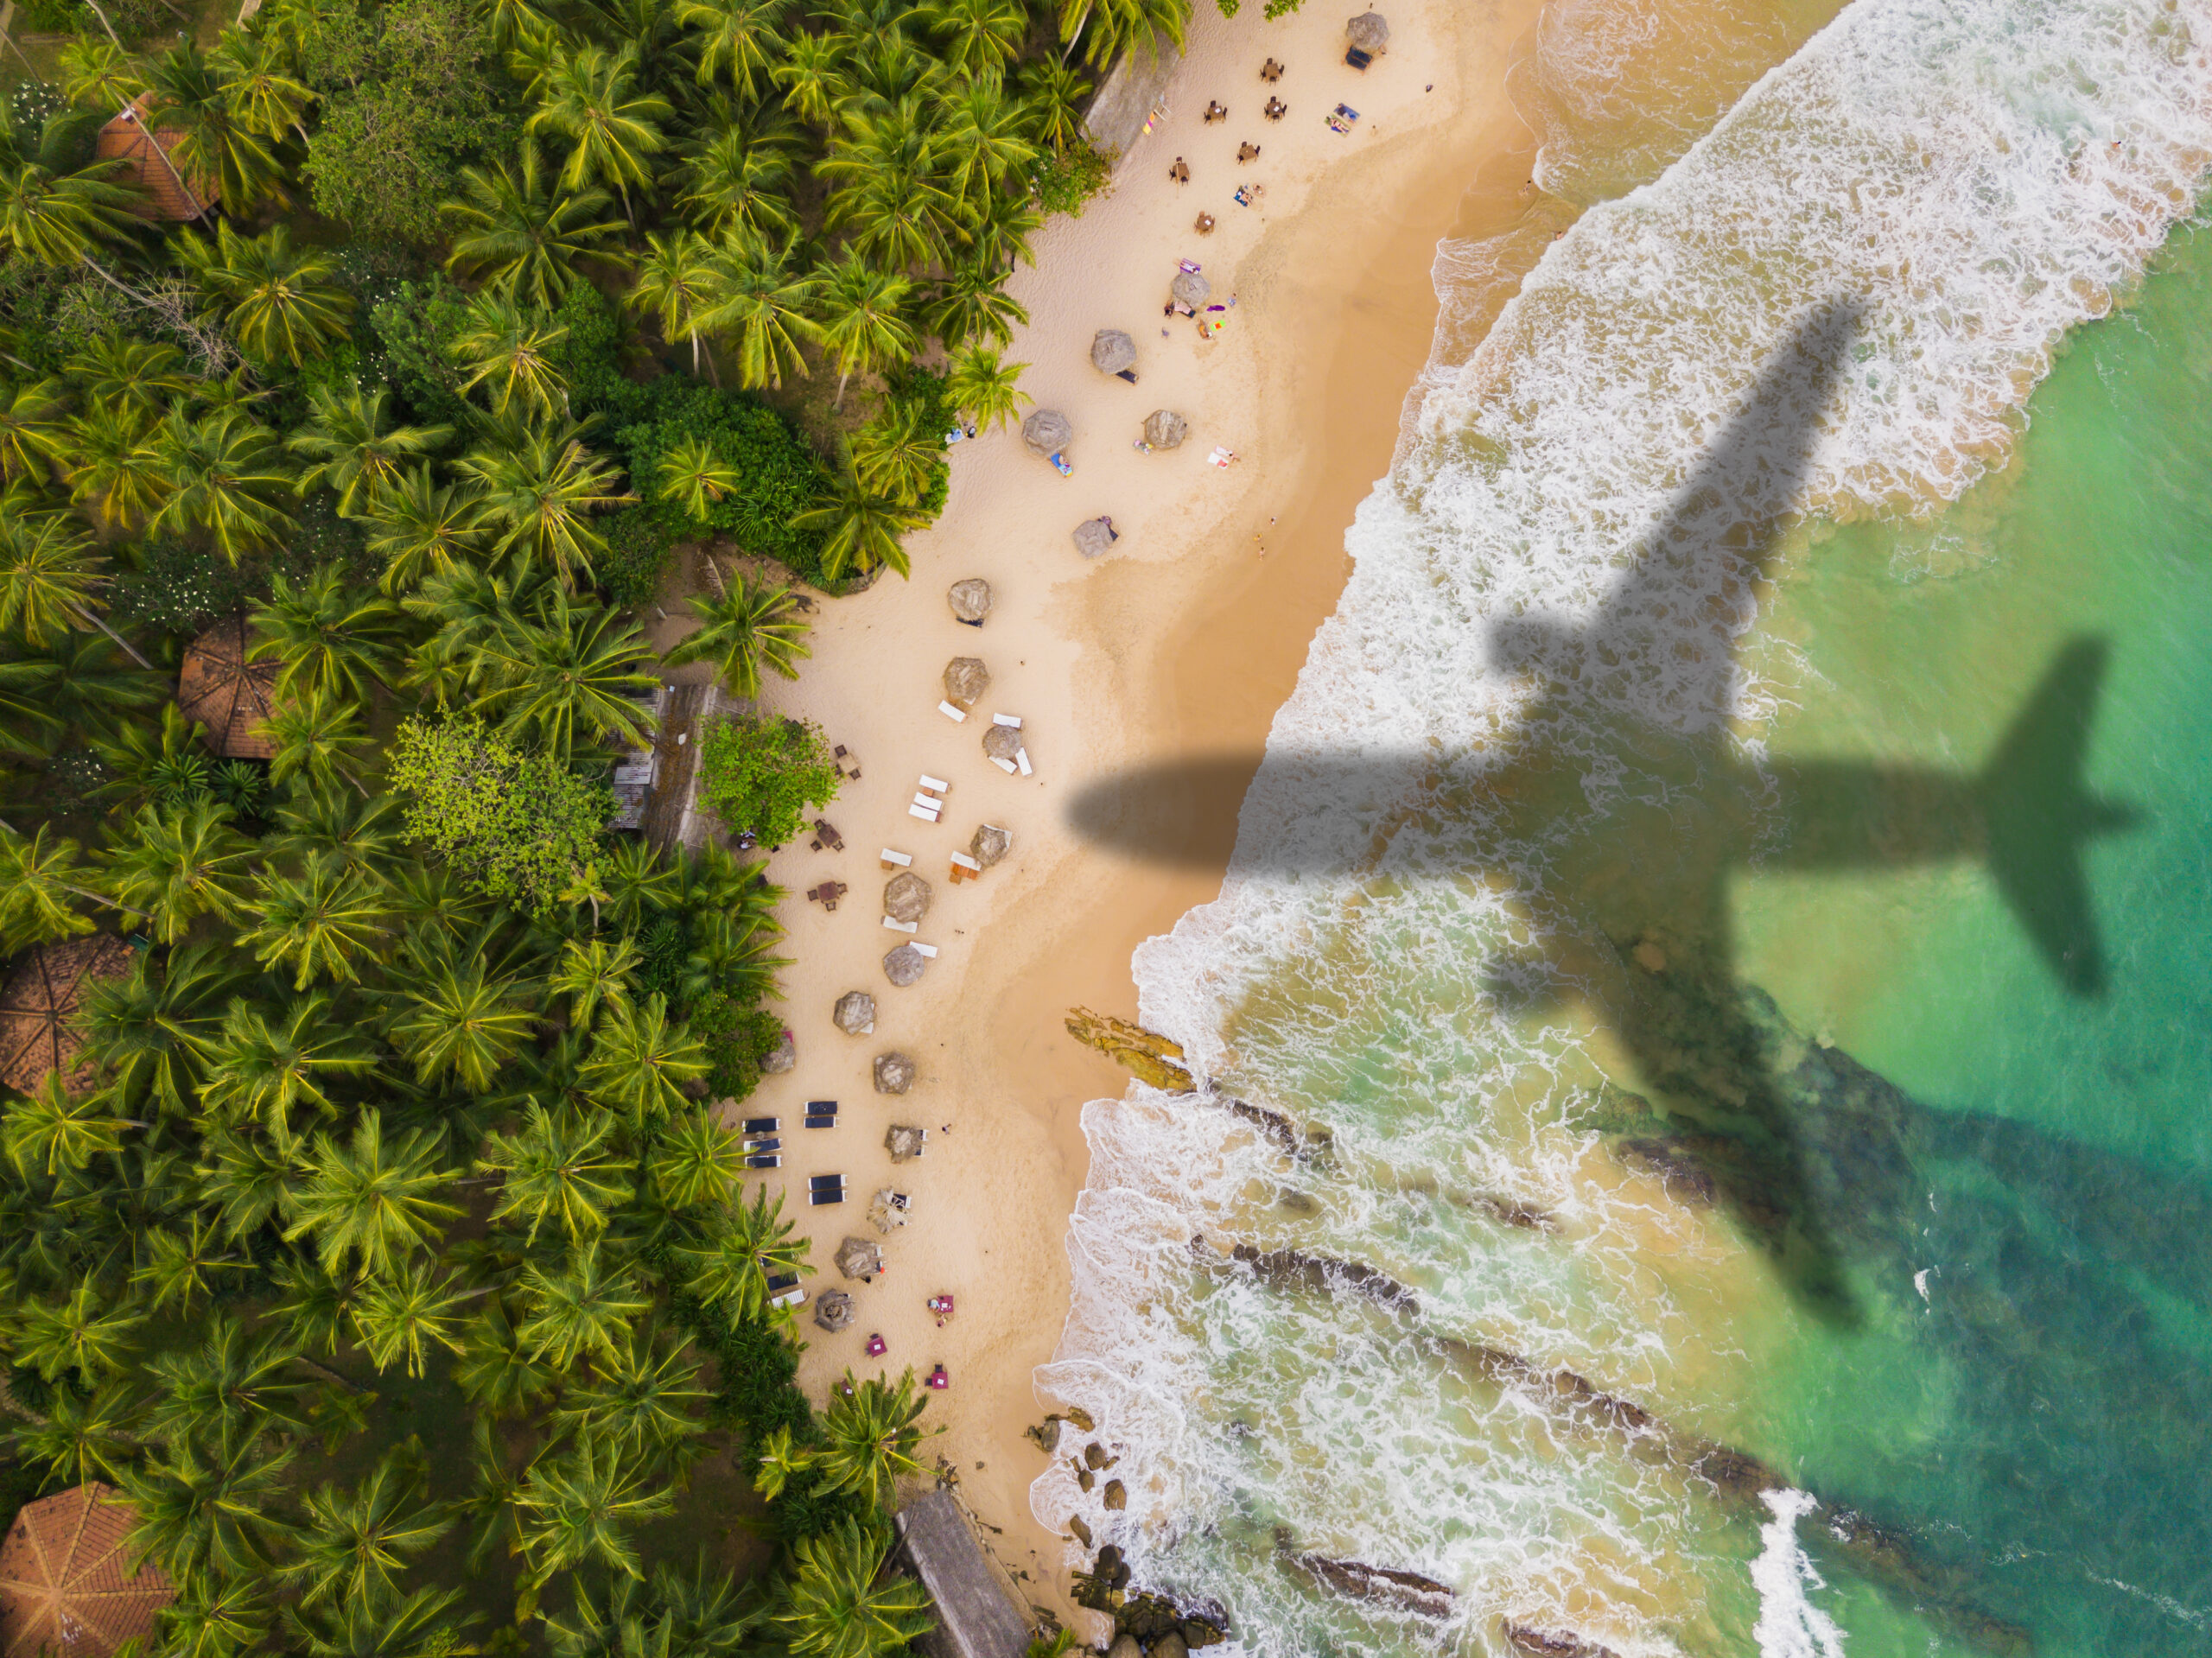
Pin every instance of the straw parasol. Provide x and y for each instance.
(1191, 287)
(906, 897)
(1368, 32)
(970, 600)
(1165, 429)
(966, 678)
(70, 1584)
(905, 966)
(904, 1141)
(1047, 432)
(832, 1310)
(894, 1073)
(854, 1013)
(990, 844)
(1093, 537)
(859, 1258)
(1113, 351)
(1001, 743)
(38, 1007)
(227, 695)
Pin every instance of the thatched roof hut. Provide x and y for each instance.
(1165, 429)
(976, 1615)
(906, 897)
(970, 600)
(990, 844)
(1112, 351)
(170, 191)
(832, 1310)
(894, 1073)
(1047, 432)
(70, 1583)
(1191, 287)
(966, 678)
(39, 1006)
(227, 695)
(1093, 537)
(1368, 32)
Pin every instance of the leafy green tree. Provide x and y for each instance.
(900, 454)
(369, 1198)
(151, 1033)
(466, 1022)
(752, 624)
(592, 99)
(523, 235)
(49, 212)
(978, 38)
(985, 386)
(763, 774)
(737, 178)
(970, 303)
(517, 826)
(739, 39)
(358, 453)
(640, 1400)
(677, 281)
(570, 680)
(836, 1605)
(765, 307)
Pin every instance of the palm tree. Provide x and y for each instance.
(80, 1332)
(99, 74)
(760, 300)
(49, 576)
(384, 1625)
(151, 1033)
(181, 1266)
(263, 1071)
(225, 479)
(572, 1510)
(860, 529)
(284, 302)
(811, 74)
(208, 1517)
(317, 737)
(517, 351)
(38, 879)
(582, 1307)
(112, 466)
(676, 280)
(640, 885)
(987, 387)
(419, 527)
(869, 1438)
(330, 642)
(30, 435)
(218, 144)
(147, 374)
(355, 1543)
(639, 1401)
(81, 1440)
(498, 1372)
(641, 1060)
(521, 235)
(52, 216)
(266, 100)
(403, 1313)
(230, 1389)
(693, 477)
(891, 191)
(367, 1198)
(898, 454)
(181, 862)
(1108, 27)
(696, 1163)
(362, 832)
(979, 38)
(860, 311)
(569, 679)
(735, 179)
(753, 624)
(998, 235)
(986, 133)
(464, 1022)
(321, 921)
(593, 972)
(560, 1166)
(77, 685)
(356, 452)
(49, 1129)
(839, 1602)
(1052, 94)
(741, 38)
(591, 98)
(537, 494)
(968, 301)
(211, 1619)
(315, 1307)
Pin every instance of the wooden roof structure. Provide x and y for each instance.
(170, 191)
(227, 695)
(70, 1584)
(976, 1618)
(39, 1004)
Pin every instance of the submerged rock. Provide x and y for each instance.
(1145, 1054)
(1117, 1496)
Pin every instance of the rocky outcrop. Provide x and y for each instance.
(1145, 1054)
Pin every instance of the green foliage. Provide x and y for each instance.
(737, 1039)
(1066, 180)
(518, 827)
(416, 327)
(637, 556)
(762, 774)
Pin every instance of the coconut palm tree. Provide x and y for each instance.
(641, 886)
(78, 1331)
(98, 74)
(560, 1166)
(225, 479)
(517, 352)
(738, 177)
(899, 453)
(324, 920)
(77, 685)
(216, 1619)
(390, 1625)
(363, 833)
(283, 302)
(590, 98)
(369, 1198)
(811, 73)
(570, 678)
(573, 1509)
(986, 137)
(418, 527)
(968, 303)
(892, 190)
(535, 494)
(230, 1388)
(581, 1305)
(263, 1069)
(764, 305)
(179, 863)
(50, 576)
(49, 1129)
(987, 387)
(330, 641)
(593, 972)
(752, 625)
(1052, 94)
(318, 738)
(180, 1266)
(694, 479)
(151, 1033)
(207, 1514)
(677, 281)
(112, 466)
(838, 1602)
(405, 1314)
(497, 1371)
(740, 39)
(523, 236)
(860, 312)
(1106, 29)
(978, 38)
(730, 1271)
(355, 1543)
(50, 214)
(266, 100)
(696, 1163)
(32, 436)
(147, 374)
(464, 1022)
(218, 142)
(641, 1060)
(357, 453)
(640, 1402)
(160, 763)
(860, 529)
(869, 1438)
(81, 1438)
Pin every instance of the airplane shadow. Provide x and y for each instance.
(1618, 807)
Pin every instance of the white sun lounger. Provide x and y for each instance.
(1011, 721)
(899, 926)
(936, 785)
(958, 716)
(922, 799)
(1005, 767)
(929, 950)
(967, 863)
(922, 812)
(896, 860)
(1022, 759)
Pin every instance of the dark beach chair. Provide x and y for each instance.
(770, 1161)
(1358, 59)
(821, 1113)
(825, 1182)
(761, 1124)
(770, 1144)
(827, 1195)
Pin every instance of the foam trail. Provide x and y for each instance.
(1789, 1625)
(1974, 177)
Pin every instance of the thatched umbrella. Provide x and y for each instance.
(991, 843)
(894, 1073)
(219, 690)
(859, 1258)
(1093, 537)
(966, 678)
(1191, 287)
(904, 1141)
(1113, 351)
(1165, 429)
(1368, 32)
(832, 1310)
(1047, 432)
(39, 1005)
(781, 1057)
(906, 897)
(70, 1585)
(905, 966)
(1001, 743)
(970, 600)
(855, 1012)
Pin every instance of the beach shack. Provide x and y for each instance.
(170, 191)
(976, 1616)
(71, 1586)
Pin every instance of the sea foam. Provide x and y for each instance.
(1966, 180)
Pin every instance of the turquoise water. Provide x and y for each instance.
(2042, 1417)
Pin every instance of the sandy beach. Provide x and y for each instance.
(1187, 637)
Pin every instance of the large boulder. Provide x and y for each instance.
(965, 680)
(1171, 1645)
(990, 844)
(1125, 1645)
(832, 1310)
(894, 1073)
(906, 897)
(860, 1258)
(905, 966)
(1001, 743)
(904, 1141)
(1047, 432)
(1117, 1496)
(970, 600)
(1165, 429)
(855, 1012)
(781, 1057)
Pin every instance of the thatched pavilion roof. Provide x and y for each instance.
(70, 1584)
(227, 695)
(39, 1003)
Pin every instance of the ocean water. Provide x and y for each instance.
(1721, 913)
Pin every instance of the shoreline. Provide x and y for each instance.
(1184, 637)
